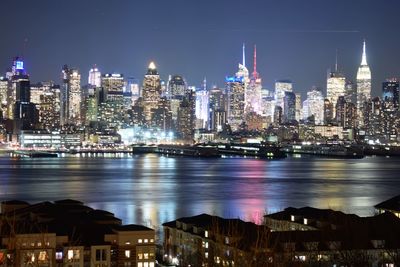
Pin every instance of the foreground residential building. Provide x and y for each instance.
(68, 233)
(293, 237)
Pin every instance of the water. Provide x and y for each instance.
(152, 189)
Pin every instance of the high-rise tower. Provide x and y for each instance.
(253, 92)
(363, 85)
(335, 86)
(151, 90)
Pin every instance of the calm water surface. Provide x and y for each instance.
(152, 189)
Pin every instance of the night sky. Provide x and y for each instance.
(296, 39)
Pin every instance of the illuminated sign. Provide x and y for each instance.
(234, 79)
(19, 65)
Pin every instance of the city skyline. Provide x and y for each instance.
(283, 49)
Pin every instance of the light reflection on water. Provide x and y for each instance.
(152, 189)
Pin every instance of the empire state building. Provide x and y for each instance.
(363, 86)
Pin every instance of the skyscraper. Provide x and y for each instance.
(253, 92)
(176, 87)
(25, 114)
(281, 87)
(113, 87)
(202, 99)
(363, 85)
(335, 86)
(3, 97)
(236, 94)
(151, 90)
(289, 107)
(71, 96)
(390, 94)
(314, 106)
(94, 78)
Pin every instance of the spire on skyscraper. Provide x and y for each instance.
(243, 56)
(255, 74)
(336, 61)
(364, 55)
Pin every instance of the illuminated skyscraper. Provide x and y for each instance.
(335, 86)
(202, 98)
(253, 92)
(113, 87)
(314, 106)
(298, 107)
(281, 87)
(25, 114)
(151, 92)
(176, 87)
(186, 116)
(390, 94)
(94, 77)
(217, 109)
(71, 96)
(46, 97)
(289, 103)
(132, 86)
(3, 97)
(236, 94)
(363, 85)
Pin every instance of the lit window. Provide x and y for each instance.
(292, 218)
(205, 233)
(146, 264)
(226, 240)
(151, 264)
(42, 256)
(305, 221)
(146, 241)
(152, 240)
(140, 264)
(146, 256)
(39, 244)
(206, 244)
(140, 241)
(127, 253)
(140, 256)
(59, 255)
(127, 243)
(206, 255)
(70, 254)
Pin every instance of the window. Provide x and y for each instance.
(39, 244)
(73, 254)
(101, 255)
(127, 243)
(140, 256)
(205, 233)
(206, 255)
(146, 241)
(226, 240)
(151, 264)
(146, 264)
(146, 256)
(43, 256)
(140, 264)
(151, 240)
(140, 241)
(59, 255)
(127, 253)
(292, 218)
(305, 221)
